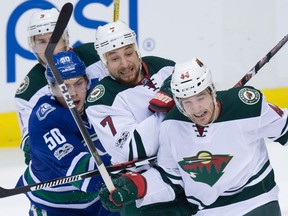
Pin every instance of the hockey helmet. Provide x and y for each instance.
(190, 78)
(69, 66)
(43, 22)
(113, 36)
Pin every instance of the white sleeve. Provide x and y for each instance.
(157, 189)
(24, 109)
(273, 123)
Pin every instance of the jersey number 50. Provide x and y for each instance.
(54, 137)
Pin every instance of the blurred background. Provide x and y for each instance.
(229, 36)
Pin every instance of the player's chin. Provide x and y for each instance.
(129, 81)
(200, 121)
(79, 106)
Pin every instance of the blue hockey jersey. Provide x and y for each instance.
(57, 149)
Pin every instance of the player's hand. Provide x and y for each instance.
(129, 187)
(163, 100)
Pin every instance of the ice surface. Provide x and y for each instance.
(12, 166)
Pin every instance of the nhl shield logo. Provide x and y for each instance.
(96, 93)
(249, 96)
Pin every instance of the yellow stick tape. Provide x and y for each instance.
(10, 131)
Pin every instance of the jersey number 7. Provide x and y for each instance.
(108, 120)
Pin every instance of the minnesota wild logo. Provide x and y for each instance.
(96, 93)
(249, 96)
(23, 86)
(205, 167)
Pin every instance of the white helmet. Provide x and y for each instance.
(43, 22)
(113, 36)
(190, 78)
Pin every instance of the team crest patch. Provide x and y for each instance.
(205, 167)
(97, 92)
(249, 96)
(23, 86)
(44, 110)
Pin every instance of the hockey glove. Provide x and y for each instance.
(129, 187)
(163, 100)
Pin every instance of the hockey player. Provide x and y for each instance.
(57, 148)
(211, 144)
(34, 85)
(118, 106)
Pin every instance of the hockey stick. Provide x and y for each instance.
(61, 24)
(68, 179)
(116, 10)
(261, 63)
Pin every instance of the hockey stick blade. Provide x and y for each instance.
(261, 63)
(62, 22)
(68, 179)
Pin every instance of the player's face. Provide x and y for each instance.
(124, 65)
(40, 44)
(77, 88)
(199, 107)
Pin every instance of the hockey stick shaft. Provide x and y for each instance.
(261, 63)
(61, 24)
(68, 179)
(116, 10)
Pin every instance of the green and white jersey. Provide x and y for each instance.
(120, 114)
(223, 167)
(35, 85)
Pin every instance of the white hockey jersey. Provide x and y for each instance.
(120, 114)
(224, 168)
